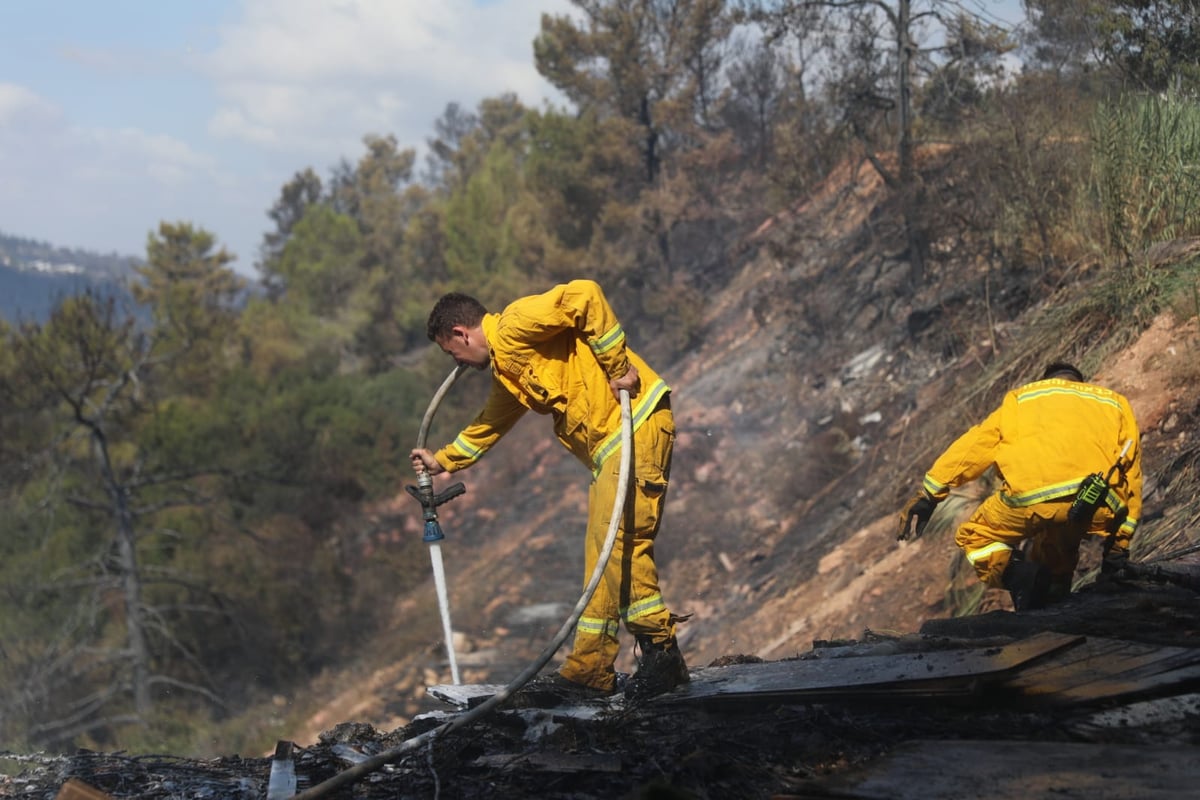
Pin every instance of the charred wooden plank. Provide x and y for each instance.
(1108, 669)
(1002, 770)
(942, 673)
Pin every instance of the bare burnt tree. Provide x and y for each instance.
(880, 52)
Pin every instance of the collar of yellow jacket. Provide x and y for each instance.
(490, 324)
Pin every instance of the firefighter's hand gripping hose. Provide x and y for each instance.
(376, 762)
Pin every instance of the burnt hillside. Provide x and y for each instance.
(825, 384)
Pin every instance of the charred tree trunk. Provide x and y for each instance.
(910, 181)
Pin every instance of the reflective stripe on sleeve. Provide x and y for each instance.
(461, 445)
(608, 340)
(934, 488)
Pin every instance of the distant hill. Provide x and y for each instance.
(35, 276)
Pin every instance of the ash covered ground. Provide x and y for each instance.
(718, 738)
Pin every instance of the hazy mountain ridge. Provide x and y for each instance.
(35, 276)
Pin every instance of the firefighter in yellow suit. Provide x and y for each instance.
(1044, 440)
(563, 353)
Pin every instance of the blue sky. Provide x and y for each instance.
(118, 114)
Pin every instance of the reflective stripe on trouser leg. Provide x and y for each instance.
(989, 537)
(629, 589)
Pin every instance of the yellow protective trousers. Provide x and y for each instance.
(997, 528)
(629, 590)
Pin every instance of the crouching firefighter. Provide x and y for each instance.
(563, 353)
(1069, 461)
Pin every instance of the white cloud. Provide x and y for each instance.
(128, 153)
(208, 133)
(231, 123)
(38, 140)
(100, 188)
(20, 106)
(314, 76)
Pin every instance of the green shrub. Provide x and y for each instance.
(1146, 172)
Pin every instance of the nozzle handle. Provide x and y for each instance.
(449, 494)
(429, 500)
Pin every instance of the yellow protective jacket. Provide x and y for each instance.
(555, 353)
(1044, 439)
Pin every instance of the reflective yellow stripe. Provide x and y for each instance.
(614, 336)
(644, 607)
(984, 552)
(641, 411)
(460, 444)
(1039, 393)
(934, 488)
(598, 627)
(1055, 491)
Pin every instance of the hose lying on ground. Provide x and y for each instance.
(376, 762)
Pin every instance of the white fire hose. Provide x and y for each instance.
(376, 762)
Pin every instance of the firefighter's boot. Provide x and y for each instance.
(1028, 583)
(660, 669)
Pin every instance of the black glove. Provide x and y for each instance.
(919, 508)
(1115, 563)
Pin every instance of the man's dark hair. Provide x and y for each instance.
(1061, 369)
(453, 309)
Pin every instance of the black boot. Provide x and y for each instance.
(660, 669)
(1028, 584)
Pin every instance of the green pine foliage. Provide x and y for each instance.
(480, 247)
